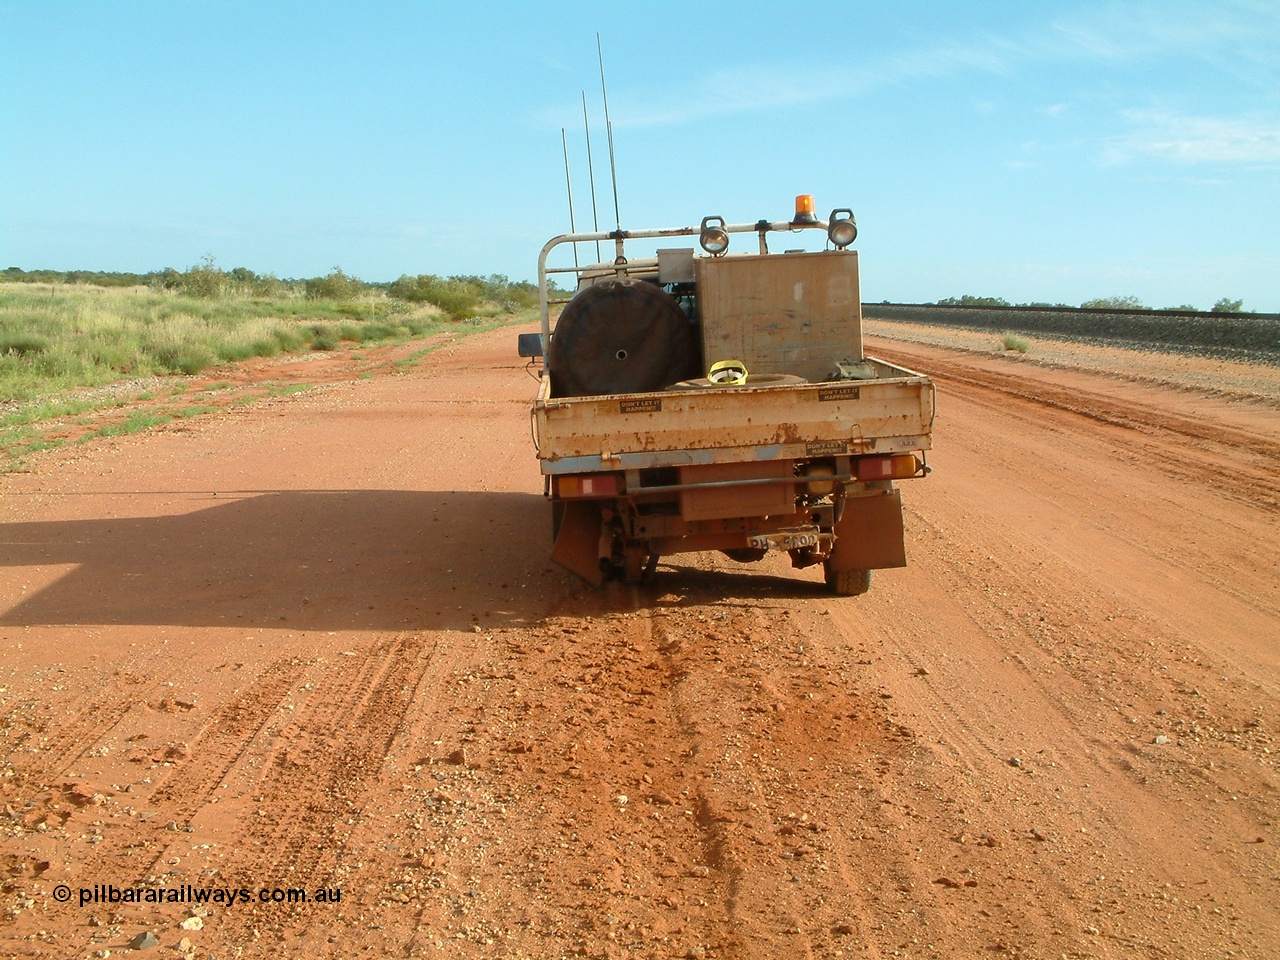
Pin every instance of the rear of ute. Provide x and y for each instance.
(801, 456)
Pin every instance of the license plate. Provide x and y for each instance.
(783, 541)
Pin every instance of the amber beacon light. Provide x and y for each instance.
(804, 209)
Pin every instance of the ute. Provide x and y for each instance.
(722, 401)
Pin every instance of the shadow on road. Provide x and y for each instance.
(314, 560)
(683, 584)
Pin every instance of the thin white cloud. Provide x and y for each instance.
(1236, 35)
(1194, 140)
(748, 89)
(1229, 33)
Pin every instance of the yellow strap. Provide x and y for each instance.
(732, 372)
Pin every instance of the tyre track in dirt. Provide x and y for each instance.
(128, 831)
(314, 785)
(40, 749)
(1046, 729)
(700, 837)
(1108, 631)
(1191, 447)
(48, 741)
(225, 741)
(1171, 531)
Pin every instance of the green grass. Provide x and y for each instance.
(59, 342)
(287, 389)
(134, 423)
(416, 357)
(51, 409)
(18, 436)
(13, 449)
(60, 337)
(1011, 341)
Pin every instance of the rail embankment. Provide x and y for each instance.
(1230, 336)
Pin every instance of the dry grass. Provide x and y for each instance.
(58, 337)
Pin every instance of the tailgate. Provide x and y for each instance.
(634, 431)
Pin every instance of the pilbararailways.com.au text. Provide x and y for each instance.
(213, 896)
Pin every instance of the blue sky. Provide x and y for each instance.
(1033, 151)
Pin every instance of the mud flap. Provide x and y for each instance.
(577, 546)
(869, 535)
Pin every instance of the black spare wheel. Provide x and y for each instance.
(621, 336)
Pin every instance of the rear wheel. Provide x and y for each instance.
(633, 559)
(848, 583)
(638, 564)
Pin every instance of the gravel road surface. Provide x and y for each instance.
(314, 643)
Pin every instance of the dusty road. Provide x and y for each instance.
(314, 643)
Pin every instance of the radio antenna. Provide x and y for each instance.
(568, 184)
(608, 125)
(591, 173)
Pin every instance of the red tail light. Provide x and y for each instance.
(900, 466)
(589, 485)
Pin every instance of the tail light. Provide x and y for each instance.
(820, 477)
(900, 466)
(589, 485)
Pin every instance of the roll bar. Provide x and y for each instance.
(621, 267)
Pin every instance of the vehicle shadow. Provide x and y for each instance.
(305, 560)
(675, 584)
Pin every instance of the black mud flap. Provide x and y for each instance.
(577, 546)
(869, 535)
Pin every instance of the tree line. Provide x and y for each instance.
(1224, 305)
(458, 296)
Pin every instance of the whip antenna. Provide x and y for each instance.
(608, 125)
(568, 184)
(591, 173)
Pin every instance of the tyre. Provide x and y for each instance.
(634, 561)
(621, 335)
(848, 583)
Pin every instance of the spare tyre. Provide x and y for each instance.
(621, 335)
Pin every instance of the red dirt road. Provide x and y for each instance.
(315, 643)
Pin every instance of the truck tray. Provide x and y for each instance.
(892, 412)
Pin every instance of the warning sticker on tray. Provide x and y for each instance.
(838, 393)
(640, 406)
